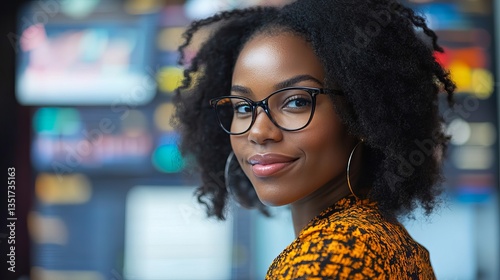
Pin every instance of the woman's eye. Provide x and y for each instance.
(297, 102)
(244, 108)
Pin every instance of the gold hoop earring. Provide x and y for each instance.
(349, 168)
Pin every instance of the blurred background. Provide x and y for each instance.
(102, 192)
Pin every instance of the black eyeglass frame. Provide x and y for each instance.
(264, 105)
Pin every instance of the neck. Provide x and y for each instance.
(309, 207)
(304, 210)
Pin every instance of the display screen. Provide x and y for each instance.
(168, 236)
(85, 63)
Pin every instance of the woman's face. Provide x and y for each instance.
(287, 166)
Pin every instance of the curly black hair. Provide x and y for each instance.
(378, 52)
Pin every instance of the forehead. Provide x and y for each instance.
(267, 59)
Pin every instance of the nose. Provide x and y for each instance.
(264, 130)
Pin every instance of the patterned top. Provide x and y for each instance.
(351, 240)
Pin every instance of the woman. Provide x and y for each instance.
(330, 107)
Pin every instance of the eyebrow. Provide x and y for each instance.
(284, 84)
(295, 80)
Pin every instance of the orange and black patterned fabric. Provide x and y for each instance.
(351, 240)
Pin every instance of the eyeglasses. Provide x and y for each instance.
(290, 109)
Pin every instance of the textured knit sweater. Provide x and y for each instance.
(351, 240)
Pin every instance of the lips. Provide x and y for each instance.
(265, 165)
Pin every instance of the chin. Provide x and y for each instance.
(274, 199)
(272, 203)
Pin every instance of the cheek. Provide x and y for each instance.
(325, 142)
(238, 144)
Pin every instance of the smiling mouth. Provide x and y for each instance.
(266, 170)
(265, 165)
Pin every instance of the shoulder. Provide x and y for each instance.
(358, 223)
(358, 241)
(347, 243)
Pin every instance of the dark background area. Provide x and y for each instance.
(14, 143)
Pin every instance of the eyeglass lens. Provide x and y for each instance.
(289, 109)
